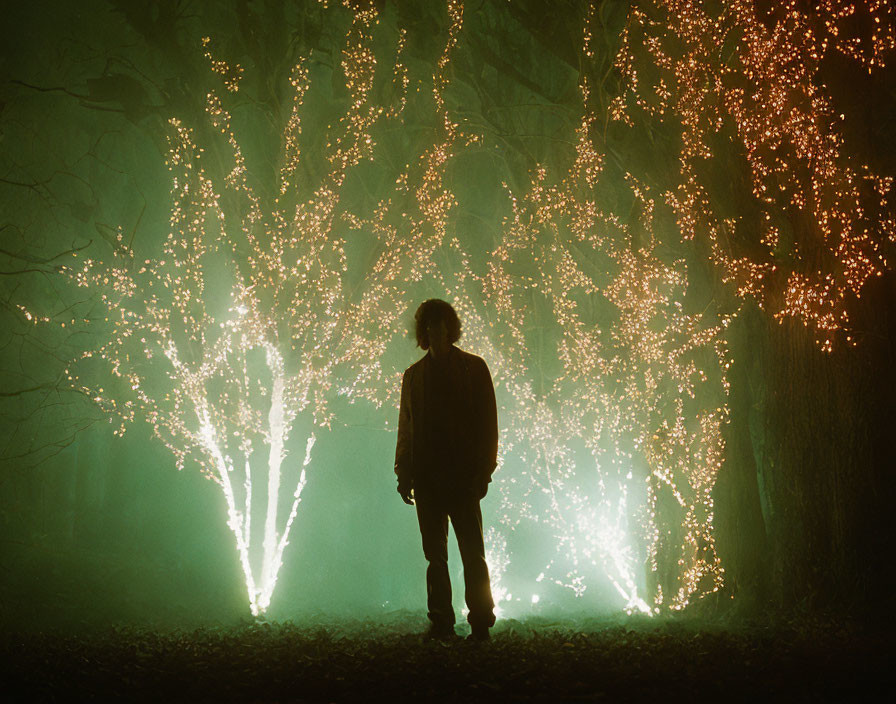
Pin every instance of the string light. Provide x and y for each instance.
(757, 76)
(215, 387)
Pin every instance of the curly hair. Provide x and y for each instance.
(433, 311)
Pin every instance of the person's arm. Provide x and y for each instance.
(489, 411)
(404, 447)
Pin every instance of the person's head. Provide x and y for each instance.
(430, 316)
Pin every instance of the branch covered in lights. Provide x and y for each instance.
(224, 385)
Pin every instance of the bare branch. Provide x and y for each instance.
(39, 260)
(21, 392)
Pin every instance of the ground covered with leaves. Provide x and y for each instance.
(537, 659)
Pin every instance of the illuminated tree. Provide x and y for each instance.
(801, 227)
(615, 391)
(241, 328)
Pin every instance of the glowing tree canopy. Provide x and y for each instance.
(579, 269)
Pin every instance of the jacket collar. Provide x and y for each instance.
(453, 354)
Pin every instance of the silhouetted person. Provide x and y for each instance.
(446, 452)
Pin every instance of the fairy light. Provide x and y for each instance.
(766, 88)
(620, 391)
(196, 376)
(498, 559)
(230, 73)
(612, 391)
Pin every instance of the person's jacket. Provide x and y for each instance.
(477, 441)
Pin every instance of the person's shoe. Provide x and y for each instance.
(441, 632)
(480, 633)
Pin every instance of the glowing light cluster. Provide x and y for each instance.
(225, 387)
(640, 401)
(752, 77)
(864, 31)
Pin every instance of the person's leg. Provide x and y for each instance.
(466, 517)
(433, 519)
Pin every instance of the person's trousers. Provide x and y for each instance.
(433, 513)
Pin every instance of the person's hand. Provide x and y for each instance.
(406, 493)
